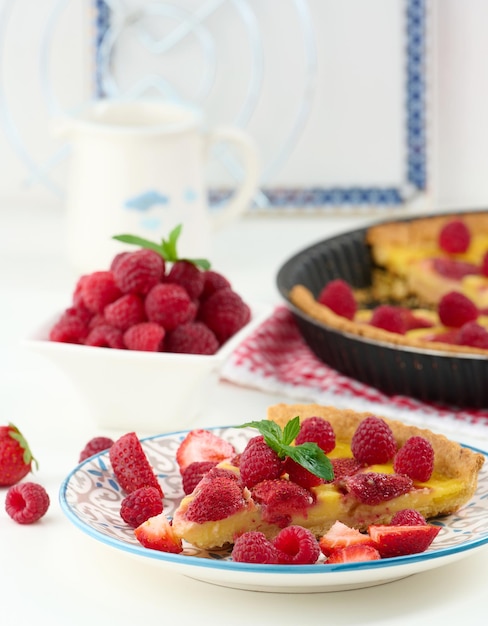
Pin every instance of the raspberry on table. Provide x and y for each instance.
(140, 505)
(472, 334)
(193, 474)
(254, 547)
(296, 546)
(415, 459)
(105, 336)
(338, 296)
(373, 441)
(408, 517)
(99, 289)
(390, 318)
(139, 271)
(225, 313)
(125, 312)
(169, 305)
(454, 237)
(26, 502)
(94, 446)
(146, 336)
(319, 431)
(192, 338)
(187, 275)
(259, 462)
(456, 309)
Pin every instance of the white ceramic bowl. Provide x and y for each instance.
(142, 391)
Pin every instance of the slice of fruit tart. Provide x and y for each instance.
(312, 466)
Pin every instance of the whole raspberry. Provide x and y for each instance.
(280, 499)
(373, 441)
(390, 318)
(94, 446)
(300, 475)
(213, 281)
(169, 305)
(193, 474)
(26, 502)
(78, 292)
(454, 237)
(118, 257)
(345, 466)
(472, 334)
(254, 547)
(192, 338)
(415, 459)
(139, 271)
(259, 462)
(140, 505)
(105, 336)
(339, 297)
(146, 336)
(188, 276)
(317, 430)
(408, 517)
(72, 326)
(99, 289)
(455, 309)
(125, 311)
(224, 312)
(297, 546)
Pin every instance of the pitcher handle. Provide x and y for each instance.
(248, 153)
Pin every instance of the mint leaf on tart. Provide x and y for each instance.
(309, 455)
(167, 248)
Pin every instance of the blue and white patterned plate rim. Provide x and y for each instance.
(99, 463)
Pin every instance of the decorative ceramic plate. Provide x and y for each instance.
(90, 497)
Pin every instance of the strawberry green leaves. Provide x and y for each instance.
(308, 454)
(28, 457)
(167, 248)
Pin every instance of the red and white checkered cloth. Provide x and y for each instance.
(277, 360)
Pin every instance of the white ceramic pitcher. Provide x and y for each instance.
(138, 168)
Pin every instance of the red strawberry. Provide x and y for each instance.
(353, 554)
(203, 445)
(157, 533)
(400, 540)
(15, 456)
(131, 465)
(340, 536)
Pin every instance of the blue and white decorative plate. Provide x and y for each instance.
(90, 497)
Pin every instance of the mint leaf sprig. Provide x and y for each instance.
(167, 248)
(309, 455)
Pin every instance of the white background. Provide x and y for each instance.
(47, 66)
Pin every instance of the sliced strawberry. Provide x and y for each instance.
(340, 536)
(157, 533)
(400, 540)
(353, 553)
(373, 488)
(203, 445)
(131, 465)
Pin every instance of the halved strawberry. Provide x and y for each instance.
(340, 535)
(401, 540)
(131, 465)
(353, 553)
(157, 533)
(203, 445)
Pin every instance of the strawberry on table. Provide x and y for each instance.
(394, 540)
(15, 456)
(131, 465)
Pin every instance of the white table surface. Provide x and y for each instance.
(52, 573)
